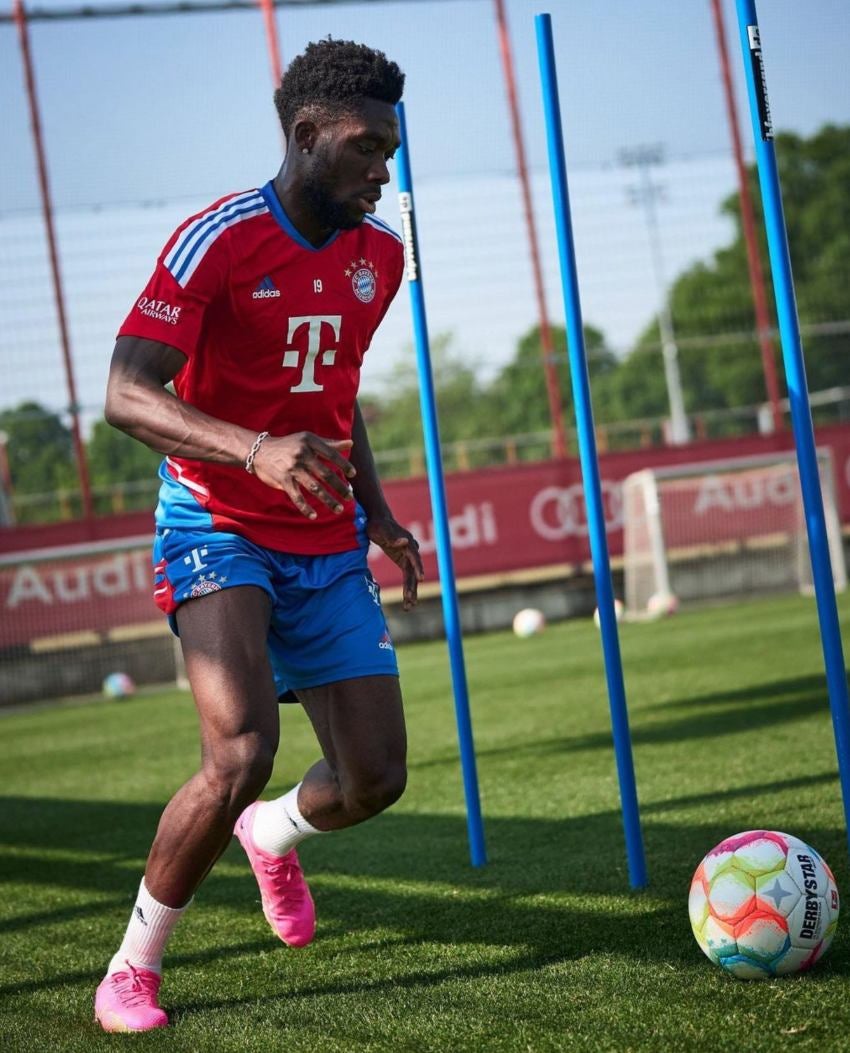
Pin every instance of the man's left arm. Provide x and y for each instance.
(381, 526)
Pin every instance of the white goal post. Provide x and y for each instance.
(722, 528)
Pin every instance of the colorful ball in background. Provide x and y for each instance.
(118, 685)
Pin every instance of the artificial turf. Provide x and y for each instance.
(545, 948)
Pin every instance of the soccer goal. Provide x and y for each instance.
(722, 528)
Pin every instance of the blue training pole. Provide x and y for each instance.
(798, 392)
(588, 457)
(448, 590)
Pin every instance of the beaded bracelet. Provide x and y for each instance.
(249, 460)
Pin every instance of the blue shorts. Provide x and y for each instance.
(326, 619)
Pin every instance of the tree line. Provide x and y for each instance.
(712, 309)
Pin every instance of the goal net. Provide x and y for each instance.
(721, 528)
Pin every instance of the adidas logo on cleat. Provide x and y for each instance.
(266, 290)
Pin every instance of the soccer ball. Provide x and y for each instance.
(618, 613)
(118, 685)
(763, 904)
(529, 621)
(661, 604)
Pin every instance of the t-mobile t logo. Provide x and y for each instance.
(195, 559)
(292, 357)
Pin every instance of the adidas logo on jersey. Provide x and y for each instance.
(266, 290)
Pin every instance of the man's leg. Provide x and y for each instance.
(360, 727)
(223, 636)
(224, 645)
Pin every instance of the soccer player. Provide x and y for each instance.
(260, 311)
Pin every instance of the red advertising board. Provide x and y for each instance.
(532, 515)
(55, 580)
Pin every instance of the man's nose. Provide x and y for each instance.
(379, 172)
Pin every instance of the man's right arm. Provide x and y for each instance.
(138, 403)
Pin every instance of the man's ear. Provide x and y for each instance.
(304, 136)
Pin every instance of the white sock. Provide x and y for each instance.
(279, 826)
(150, 926)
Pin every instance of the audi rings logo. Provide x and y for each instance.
(557, 512)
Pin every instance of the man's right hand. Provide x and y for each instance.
(304, 462)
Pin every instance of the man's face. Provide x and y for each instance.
(350, 164)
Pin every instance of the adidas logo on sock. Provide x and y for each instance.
(140, 914)
(266, 290)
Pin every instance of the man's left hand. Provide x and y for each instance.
(403, 549)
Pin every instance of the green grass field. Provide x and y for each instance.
(545, 948)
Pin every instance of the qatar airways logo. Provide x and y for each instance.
(158, 309)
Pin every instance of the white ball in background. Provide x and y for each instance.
(661, 604)
(618, 613)
(529, 621)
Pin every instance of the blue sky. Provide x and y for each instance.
(178, 105)
(175, 111)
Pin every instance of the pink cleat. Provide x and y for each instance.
(287, 903)
(126, 1001)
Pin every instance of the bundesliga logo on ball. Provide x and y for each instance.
(762, 904)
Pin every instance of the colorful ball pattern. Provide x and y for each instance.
(118, 685)
(762, 904)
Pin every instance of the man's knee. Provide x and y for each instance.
(370, 794)
(238, 768)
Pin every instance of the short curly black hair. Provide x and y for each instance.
(332, 75)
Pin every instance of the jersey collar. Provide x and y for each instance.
(276, 209)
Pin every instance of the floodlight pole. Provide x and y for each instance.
(798, 391)
(642, 157)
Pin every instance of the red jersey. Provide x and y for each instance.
(274, 331)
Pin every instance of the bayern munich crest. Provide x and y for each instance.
(202, 588)
(363, 279)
